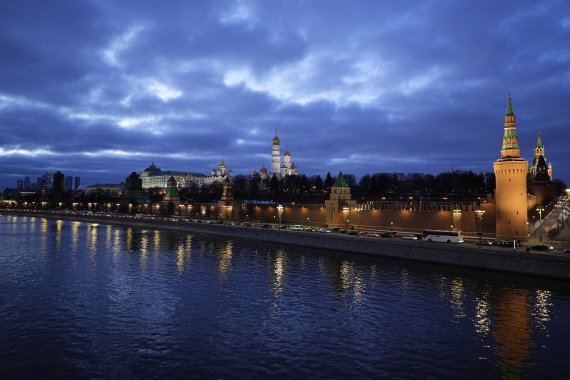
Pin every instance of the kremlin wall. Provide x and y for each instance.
(503, 217)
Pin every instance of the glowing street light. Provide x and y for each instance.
(540, 209)
(280, 213)
(480, 217)
(457, 218)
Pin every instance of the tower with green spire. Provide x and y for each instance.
(511, 184)
(171, 197)
(339, 204)
(510, 148)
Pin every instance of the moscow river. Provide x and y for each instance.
(81, 300)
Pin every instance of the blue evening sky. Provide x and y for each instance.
(96, 88)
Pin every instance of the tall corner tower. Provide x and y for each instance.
(276, 156)
(511, 185)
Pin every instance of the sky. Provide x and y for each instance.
(99, 89)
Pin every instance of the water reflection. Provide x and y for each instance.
(129, 240)
(156, 240)
(457, 294)
(74, 236)
(116, 242)
(58, 228)
(511, 332)
(542, 309)
(225, 260)
(144, 249)
(184, 253)
(279, 265)
(43, 235)
(347, 281)
(92, 236)
(482, 319)
(108, 237)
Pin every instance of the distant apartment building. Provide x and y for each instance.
(46, 180)
(20, 184)
(68, 183)
(27, 184)
(77, 183)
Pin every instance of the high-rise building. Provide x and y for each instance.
(77, 183)
(20, 184)
(511, 184)
(47, 180)
(58, 183)
(27, 183)
(68, 183)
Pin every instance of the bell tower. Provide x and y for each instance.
(511, 185)
(276, 156)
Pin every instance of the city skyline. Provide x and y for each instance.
(99, 90)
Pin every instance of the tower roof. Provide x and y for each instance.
(287, 153)
(222, 164)
(538, 141)
(340, 181)
(510, 148)
(276, 139)
(510, 108)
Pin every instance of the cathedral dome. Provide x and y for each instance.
(276, 140)
(152, 169)
(287, 153)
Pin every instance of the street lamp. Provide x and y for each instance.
(280, 213)
(540, 209)
(456, 218)
(480, 217)
(345, 211)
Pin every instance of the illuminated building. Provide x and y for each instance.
(281, 170)
(511, 184)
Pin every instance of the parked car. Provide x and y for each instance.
(297, 227)
(409, 237)
(541, 247)
(485, 242)
(389, 234)
(507, 243)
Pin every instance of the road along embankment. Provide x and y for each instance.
(547, 265)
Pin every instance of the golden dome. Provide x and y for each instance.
(276, 140)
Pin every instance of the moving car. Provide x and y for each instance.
(409, 237)
(541, 247)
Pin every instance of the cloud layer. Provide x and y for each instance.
(96, 89)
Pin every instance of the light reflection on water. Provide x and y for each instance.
(290, 310)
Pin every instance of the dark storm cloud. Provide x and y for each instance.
(97, 88)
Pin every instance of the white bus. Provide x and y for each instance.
(443, 236)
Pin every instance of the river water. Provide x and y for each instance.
(82, 300)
